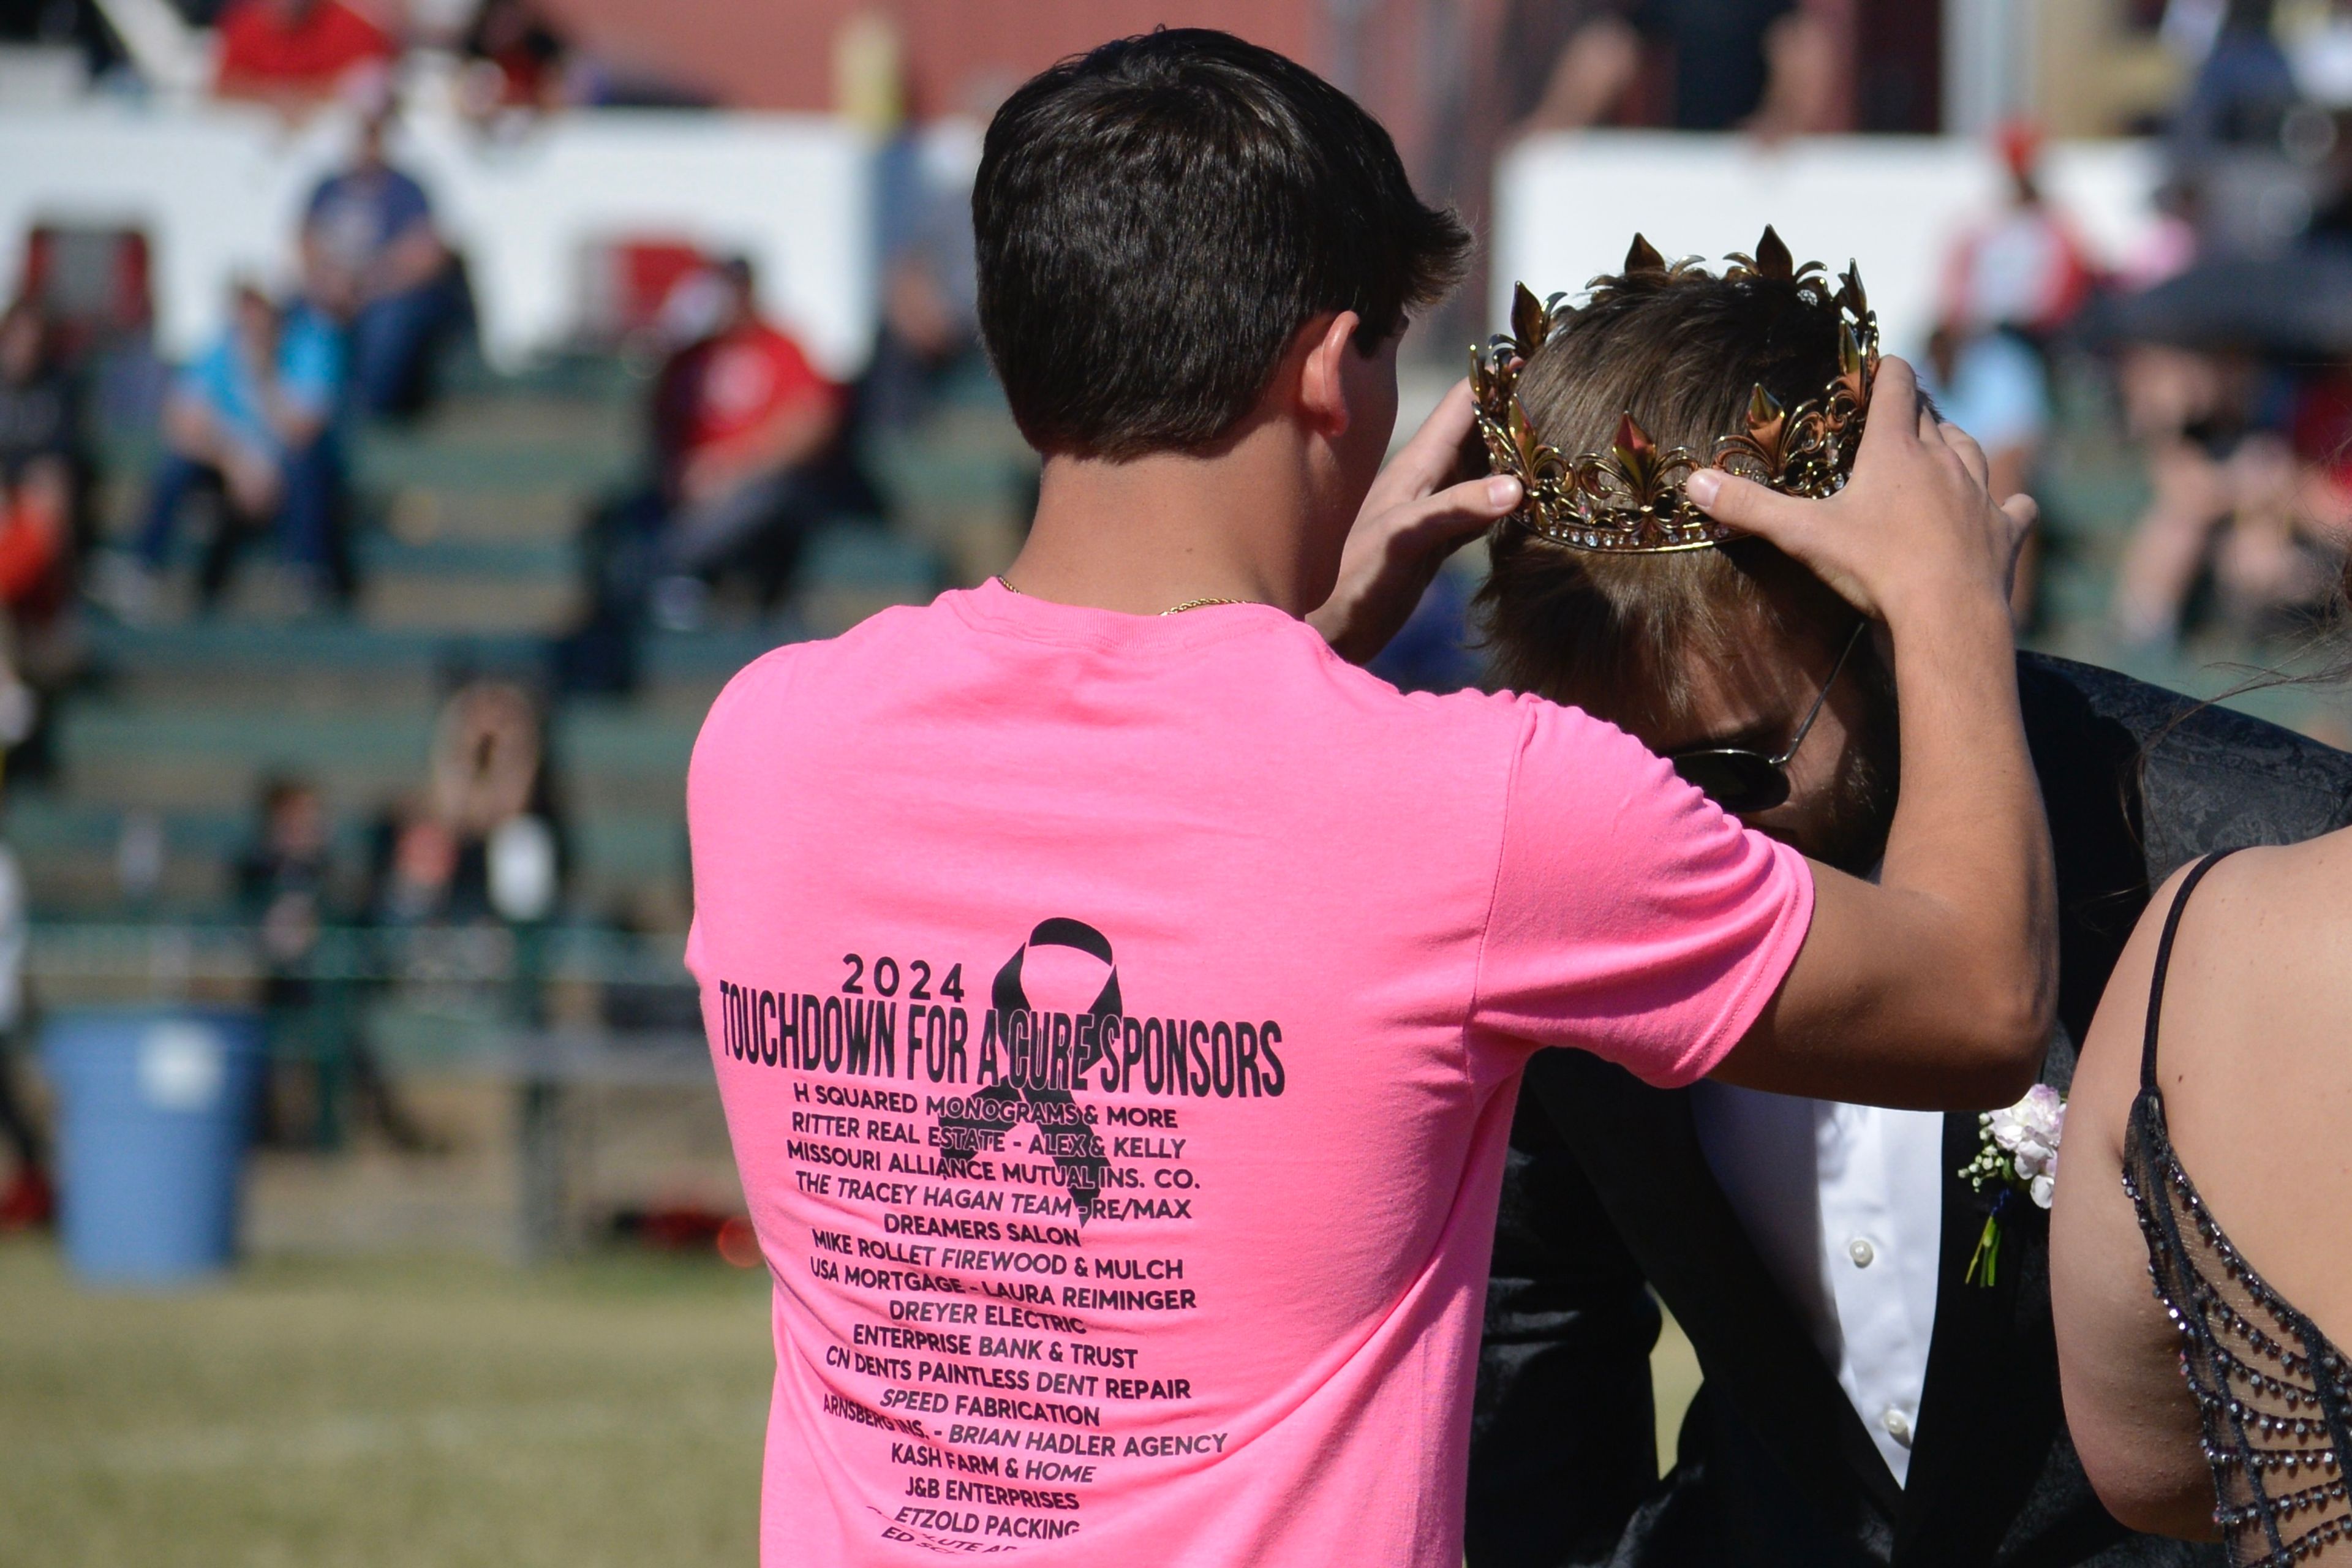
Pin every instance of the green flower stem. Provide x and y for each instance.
(1986, 1258)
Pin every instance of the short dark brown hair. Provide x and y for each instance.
(1681, 353)
(1157, 218)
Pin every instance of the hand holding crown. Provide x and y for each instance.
(1888, 511)
(1632, 497)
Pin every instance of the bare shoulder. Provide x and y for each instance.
(2255, 1058)
(2260, 945)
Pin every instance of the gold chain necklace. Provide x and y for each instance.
(1171, 610)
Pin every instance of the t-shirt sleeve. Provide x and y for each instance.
(797, 380)
(1631, 917)
(310, 366)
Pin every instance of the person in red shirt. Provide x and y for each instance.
(748, 450)
(296, 51)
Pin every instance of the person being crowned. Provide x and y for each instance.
(1864, 1275)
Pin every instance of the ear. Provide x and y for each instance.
(1322, 382)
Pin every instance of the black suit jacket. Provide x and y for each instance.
(1608, 1198)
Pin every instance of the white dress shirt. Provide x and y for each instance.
(1844, 1204)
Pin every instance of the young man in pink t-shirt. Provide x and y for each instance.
(1119, 997)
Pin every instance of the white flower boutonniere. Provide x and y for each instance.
(2020, 1155)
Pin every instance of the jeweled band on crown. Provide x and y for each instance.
(1630, 498)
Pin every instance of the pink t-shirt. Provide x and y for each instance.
(1119, 1020)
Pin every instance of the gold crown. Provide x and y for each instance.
(1630, 498)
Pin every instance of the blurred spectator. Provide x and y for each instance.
(28, 1200)
(1993, 386)
(250, 423)
(2025, 270)
(282, 891)
(1767, 67)
(285, 884)
(282, 881)
(483, 839)
(41, 469)
(747, 449)
(371, 250)
(516, 60)
(2168, 247)
(296, 53)
(2243, 87)
(929, 337)
(2242, 461)
(2010, 284)
(416, 869)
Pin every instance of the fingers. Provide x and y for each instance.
(1454, 514)
(2022, 511)
(1426, 460)
(1973, 455)
(1895, 387)
(1748, 506)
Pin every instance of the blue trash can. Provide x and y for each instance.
(154, 1106)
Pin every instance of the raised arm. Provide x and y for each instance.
(1934, 987)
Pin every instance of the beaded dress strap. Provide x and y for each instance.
(2164, 961)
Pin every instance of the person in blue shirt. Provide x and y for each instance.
(252, 418)
(368, 241)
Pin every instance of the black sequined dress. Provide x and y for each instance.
(2275, 1394)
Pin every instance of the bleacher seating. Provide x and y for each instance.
(467, 545)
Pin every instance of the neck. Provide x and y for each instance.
(1241, 522)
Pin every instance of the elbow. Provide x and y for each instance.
(2179, 1506)
(2136, 1440)
(2020, 1013)
(2010, 1034)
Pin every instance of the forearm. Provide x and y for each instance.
(1932, 990)
(1969, 842)
(294, 422)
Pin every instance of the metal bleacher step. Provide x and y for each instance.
(210, 757)
(425, 516)
(68, 850)
(501, 446)
(234, 664)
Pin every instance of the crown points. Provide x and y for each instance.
(1639, 459)
(1850, 298)
(1523, 437)
(1633, 443)
(1629, 498)
(1530, 323)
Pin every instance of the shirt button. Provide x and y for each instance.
(1862, 1252)
(1897, 1424)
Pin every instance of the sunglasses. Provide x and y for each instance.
(1741, 780)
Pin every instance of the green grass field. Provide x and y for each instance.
(384, 1415)
(400, 1414)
